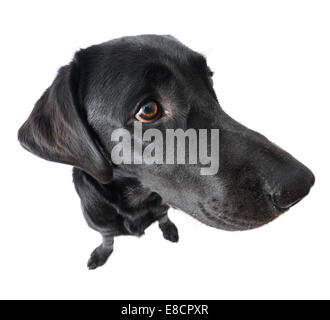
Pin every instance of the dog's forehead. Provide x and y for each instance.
(121, 71)
(133, 55)
(152, 47)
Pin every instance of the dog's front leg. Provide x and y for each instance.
(99, 214)
(101, 254)
(170, 231)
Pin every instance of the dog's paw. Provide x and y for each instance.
(170, 231)
(98, 258)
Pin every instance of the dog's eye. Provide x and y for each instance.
(149, 112)
(210, 74)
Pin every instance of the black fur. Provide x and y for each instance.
(99, 91)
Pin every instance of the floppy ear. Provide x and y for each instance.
(56, 130)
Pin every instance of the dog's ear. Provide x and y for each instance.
(57, 131)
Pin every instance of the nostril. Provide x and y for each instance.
(286, 200)
(294, 189)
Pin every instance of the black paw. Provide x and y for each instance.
(170, 231)
(98, 258)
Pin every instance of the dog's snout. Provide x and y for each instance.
(293, 188)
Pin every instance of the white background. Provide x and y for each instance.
(272, 73)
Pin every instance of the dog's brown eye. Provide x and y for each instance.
(149, 112)
(211, 78)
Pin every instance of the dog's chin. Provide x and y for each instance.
(243, 225)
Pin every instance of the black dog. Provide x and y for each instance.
(160, 82)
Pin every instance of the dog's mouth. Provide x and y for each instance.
(236, 223)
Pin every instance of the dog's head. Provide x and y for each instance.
(162, 84)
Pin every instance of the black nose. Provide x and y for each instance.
(294, 186)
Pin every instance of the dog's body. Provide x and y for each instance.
(122, 207)
(102, 89)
